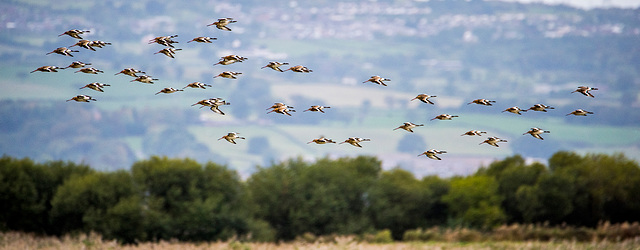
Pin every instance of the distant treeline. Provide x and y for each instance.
(167, 198)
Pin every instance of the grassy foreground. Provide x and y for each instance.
(14, 240)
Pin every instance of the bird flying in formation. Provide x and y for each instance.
(408, 126)
(424, 98)
(222, 23)
(355, 141)
(75, 33)
(231, 137)
(514, 110)
(433, 154)
(378, 80)
(275, 66)
(316, 108)
(484, 102)
(321, 140)
(493, 141)
(96, 86)
(46, 69)
(585, 91)
(535, 132)
(82, 98)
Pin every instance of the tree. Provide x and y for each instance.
(511, 173)
(474, 201)
(82, 203)
(187, 201)
(399, 202)
(26, 190)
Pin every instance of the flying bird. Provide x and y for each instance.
(474, 132)
(63, 51)
(444, 117)
(275, 66)
(535, 132)
(82, 98)
(316, 108)
(377, 80)
(77, 65)
(299, 69)
(321, 140)
(282, 110)
(585, 90)
(144, 79)
(231, 137)
(432, 154)
(89, 70)
(514, 110)
(228, 74)
(226, 60)
(84, 44)
(484, 102)
(222, 23)
(96, 86)
(408, 126)
(168, 52)
(424, 98)
(203, 39)
(493, 141)
(355, 141)
(46, 69)
(130, 72)
(540, 107)
(197, 85)
(164, 40)
(169, 90)
(579, 112)
(75, 33)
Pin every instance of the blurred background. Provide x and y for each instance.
(517, 53)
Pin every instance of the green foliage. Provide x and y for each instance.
(82, 203)
(321, 198)
(26, 191)
(187, 201)
(511, 174)
(165, 198)
(475, 201)
(398, 202)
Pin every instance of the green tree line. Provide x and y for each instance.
(165, 198)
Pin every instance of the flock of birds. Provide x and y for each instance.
(214, 104)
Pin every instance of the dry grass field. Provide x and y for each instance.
(13, 240)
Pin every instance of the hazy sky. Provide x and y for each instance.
(588, 4)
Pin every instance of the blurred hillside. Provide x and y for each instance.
(516, 54)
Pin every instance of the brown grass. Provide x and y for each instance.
(14, 240)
